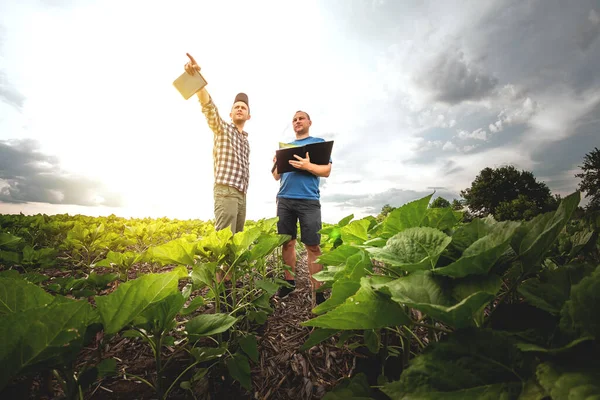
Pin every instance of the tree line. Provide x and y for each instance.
(507, 193)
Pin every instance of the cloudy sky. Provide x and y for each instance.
(416, 95)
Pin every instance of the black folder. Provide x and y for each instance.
(320, 154)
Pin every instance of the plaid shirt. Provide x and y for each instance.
(231, 151)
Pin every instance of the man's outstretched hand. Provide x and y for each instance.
(192, 66)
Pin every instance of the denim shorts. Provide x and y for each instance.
(308, 212)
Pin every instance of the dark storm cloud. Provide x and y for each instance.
(540, 43)
(451, 79)
(26, 175)
(568, 153)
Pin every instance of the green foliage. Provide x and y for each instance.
(507, 193)
(504, 303)
(150, 307)
(590, 179)
(440, 202)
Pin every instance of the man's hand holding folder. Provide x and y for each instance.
(294, 158)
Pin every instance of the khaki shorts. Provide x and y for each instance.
(230, 208)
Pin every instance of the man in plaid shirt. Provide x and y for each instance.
(231, 157)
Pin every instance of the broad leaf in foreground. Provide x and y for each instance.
(356, 232)
(410, 215)
(471, 364)
(366, 309)
(131, 298)
(481, 256)
(537, 235)
(552, 288)
(419, 290)
(208, 324)
(19, 295)
(178, 251)
(580, 313)
(239, 369)
(338, 256)
(412, 249)
(42, 337)
(346, 281)
(566, 385)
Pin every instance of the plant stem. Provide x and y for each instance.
(414, 335)
(436, 328)
(141, 379)
(178, 377)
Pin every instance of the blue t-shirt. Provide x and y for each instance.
(300, 185)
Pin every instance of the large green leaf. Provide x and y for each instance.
(365, 310)
(178, 251)
(552, 288)
(346, 281)
(534, 240)
(470, 364)
(580, 312)
(469, 233)
(355, 232)
(580, 239)
(563, 384)
(465, 287)
(418, 287)
(7, 240)
(131, 298)
(161, 315)
(441, 218)
(410, 215)
(421, 291)
(338, 256)
(357, 266)
(40, 338)
(266, 244)
(209, 324)
(340, 291)
(481, 256)
(412, 249)
(243, 240)
(204, 274)
(239, 369)
(250, 346)
(18, 295)
(215, 244)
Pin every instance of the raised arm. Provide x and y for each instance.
(215, 122)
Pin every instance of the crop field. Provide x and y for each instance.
(420, 305)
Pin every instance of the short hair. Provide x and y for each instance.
(307, 116)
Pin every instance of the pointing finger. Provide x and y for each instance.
(191, 59)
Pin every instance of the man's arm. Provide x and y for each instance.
(322, 171)
(274, 171)
(215, 122)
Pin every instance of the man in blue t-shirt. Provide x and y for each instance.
(298, 200)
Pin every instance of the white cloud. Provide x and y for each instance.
(477, 134)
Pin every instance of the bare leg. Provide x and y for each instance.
(314, 252)
(289, 257)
